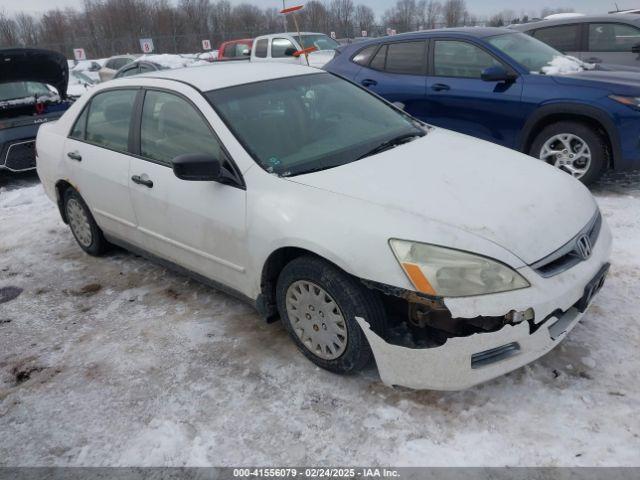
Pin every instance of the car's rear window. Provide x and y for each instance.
(18, 90)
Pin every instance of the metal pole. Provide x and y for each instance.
(284, 16)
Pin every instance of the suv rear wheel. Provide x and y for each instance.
(573, 147)
(318, 304)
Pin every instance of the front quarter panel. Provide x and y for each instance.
(351, 233)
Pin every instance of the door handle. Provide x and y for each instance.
(440, 87)
(75, 156)
(593, 60)
(142, 181)
(367, 82)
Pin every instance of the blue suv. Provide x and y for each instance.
(509, 88)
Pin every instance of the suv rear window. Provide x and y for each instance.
(612, 37)
(565, 38)
(406, 57)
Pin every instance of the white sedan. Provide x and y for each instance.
(371, 235)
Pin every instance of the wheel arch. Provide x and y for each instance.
(557, 112)
(61, 187)
(273, 265)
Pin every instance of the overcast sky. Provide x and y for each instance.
(478, 7)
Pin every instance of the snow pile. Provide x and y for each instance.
(565, 64)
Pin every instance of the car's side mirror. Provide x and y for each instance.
(290, 52)
(635, 48)
(197, 167)
(497, 73)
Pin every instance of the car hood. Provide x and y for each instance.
(598, 77)
(525, 206)
(34, 65)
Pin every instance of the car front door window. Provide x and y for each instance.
(172, 127)
(282, 48)
(454, 58)
(109, 119)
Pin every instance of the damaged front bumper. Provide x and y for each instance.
(462, 362)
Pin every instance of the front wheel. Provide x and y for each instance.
(574, 148)
(318, 304)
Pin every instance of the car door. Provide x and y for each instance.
(197, 225)
(97, 147)
(397, 72)
(613, 43)
(564, 38)
(460, 100)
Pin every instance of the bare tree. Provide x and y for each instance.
(315, 17)
(432, 11)
(454, 12)
(364, 18)
(341, 13)
(8, 31)
(27, 29)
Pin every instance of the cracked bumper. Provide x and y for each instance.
(463, 362)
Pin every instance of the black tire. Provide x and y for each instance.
(351, 297)
(596, 142)
(97, 244)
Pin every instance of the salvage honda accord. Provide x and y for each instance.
(448, 259)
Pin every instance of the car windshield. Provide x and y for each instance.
(321, 42)
(18, 90)
(307, 123)
(534, 55)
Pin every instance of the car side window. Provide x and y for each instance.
(78, 130)
(453, 58)
(262, 47)
(612, 37)
(129, 72)
(363, 56)
(379, 60)
(406, 57)
(565, 38)
(109, 119)
(241, 50)
(171, 126)
(282, 47)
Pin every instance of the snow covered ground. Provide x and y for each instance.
(116, 361)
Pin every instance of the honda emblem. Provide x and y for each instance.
(583, 247)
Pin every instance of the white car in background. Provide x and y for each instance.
(283, 48)
(113, 64)
(448, 259)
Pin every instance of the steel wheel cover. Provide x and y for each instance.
(316, 319)
(568, 152)
(79, 222)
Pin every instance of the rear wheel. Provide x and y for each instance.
(83, 226)
(573, 147)
(318, 304)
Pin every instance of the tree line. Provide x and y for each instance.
(107, 27)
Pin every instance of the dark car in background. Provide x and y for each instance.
(607, 39)
(33, 89)
(508, 88)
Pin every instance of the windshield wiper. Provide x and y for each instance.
(394, 142)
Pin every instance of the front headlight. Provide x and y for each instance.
(633, 102)
(445, 272)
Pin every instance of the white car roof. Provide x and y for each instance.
(229, 74)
